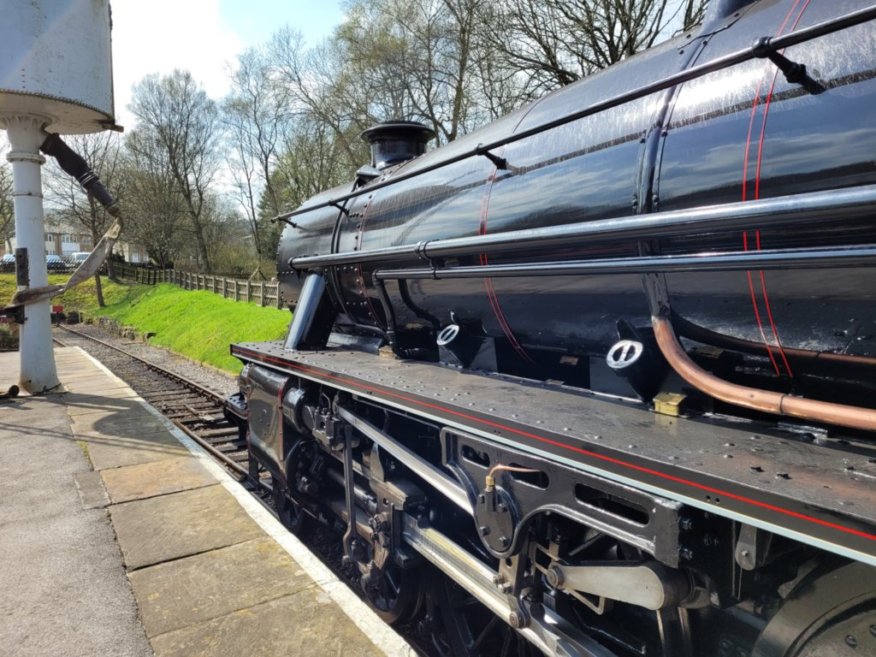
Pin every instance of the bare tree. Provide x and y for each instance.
(416, 60)
(75, 207)
(176, 116)
(256, 113)
(7, 212)
(556, 42)
(155, 213)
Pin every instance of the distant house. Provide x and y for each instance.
(64, 239)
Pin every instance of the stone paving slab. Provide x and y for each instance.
(83, 404)
(172, 526)
(137, 482)
(205, 586)
(131, 424)
(306, 623)
(106, 454)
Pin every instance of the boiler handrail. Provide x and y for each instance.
(797, 209)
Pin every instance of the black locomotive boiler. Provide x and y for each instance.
(606, 367)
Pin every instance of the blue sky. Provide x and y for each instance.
(256, 20)
(202, 36)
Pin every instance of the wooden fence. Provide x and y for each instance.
(265, 294)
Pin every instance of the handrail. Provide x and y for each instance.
(837, 204)
(767, 259)
(760, 48)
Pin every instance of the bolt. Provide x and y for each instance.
(504, 542)
(518, 619)
(501, 507)
(685, 523)
(851, 641)
(686, 554)
(555, 577)
(484, 530)
(873, 630)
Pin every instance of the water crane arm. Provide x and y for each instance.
(73, 164)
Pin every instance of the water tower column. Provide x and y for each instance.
(25, 134)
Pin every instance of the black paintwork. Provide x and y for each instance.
(676, 149)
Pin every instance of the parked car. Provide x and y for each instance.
(55, 263)
(7, 262)
(79, 257)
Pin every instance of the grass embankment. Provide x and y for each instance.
(199, 325)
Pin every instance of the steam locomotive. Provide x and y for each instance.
(598, 379)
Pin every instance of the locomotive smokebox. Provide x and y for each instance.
(394, 142)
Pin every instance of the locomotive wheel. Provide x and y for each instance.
(463, 627)
(290, 513)
(397, 597)
(829, 614)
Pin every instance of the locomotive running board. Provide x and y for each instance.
(807, 492)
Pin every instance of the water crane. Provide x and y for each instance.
(55, 79)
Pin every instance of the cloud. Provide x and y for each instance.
(161, 35)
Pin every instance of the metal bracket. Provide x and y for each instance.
(500, 162)
(752, 547)
(794, 72)
(343, 209)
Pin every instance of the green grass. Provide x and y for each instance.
(82, 296)
(199, 325)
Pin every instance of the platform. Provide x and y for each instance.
(121, 537)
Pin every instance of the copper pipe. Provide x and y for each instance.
(755, 398)
(688, 329)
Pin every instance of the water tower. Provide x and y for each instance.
(56, 75)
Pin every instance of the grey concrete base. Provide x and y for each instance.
(92, 492)
(64, 590)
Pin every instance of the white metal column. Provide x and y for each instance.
(25, 133)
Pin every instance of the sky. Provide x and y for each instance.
(203, 36)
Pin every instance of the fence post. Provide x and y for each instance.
(248, 290)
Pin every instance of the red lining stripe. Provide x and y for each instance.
(763, 287)
(492, 297)
(757, 310)
(585, 452)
